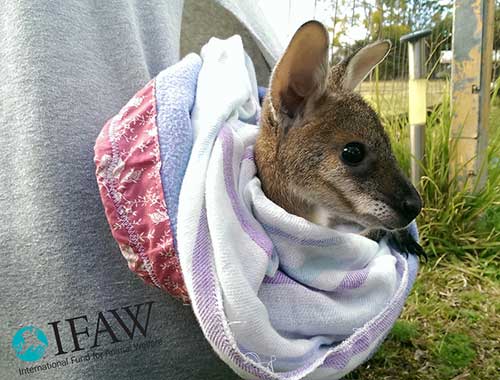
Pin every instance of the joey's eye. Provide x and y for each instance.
(353, 153)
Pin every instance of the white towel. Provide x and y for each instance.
(277, 297)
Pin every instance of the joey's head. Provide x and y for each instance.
(321, 146)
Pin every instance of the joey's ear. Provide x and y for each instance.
(363, 62)
(301, 73)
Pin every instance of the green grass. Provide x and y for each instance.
(450, 327)
(448, 330)
(456, 351)
(455, 221)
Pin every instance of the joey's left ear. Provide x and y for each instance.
(301, 73)
(363, 62)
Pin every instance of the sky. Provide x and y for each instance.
(285, 16)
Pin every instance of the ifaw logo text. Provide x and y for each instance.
(80, 339)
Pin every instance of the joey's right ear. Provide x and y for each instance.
(361, 63)
(301, 73)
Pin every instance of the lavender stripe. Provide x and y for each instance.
(273, 230)
(261, 239)
(210, 310)
(248, 154)
(376, 329)
(353, 280)
(280, 278)
(308, 242)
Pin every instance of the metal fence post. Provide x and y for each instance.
(473, 24)
(417, 96)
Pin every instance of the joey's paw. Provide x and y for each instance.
(375, 235)
(405, 243)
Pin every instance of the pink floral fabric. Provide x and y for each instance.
(127, 158)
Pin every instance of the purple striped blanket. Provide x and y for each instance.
(277, 297)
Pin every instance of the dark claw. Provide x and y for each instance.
(405, 243)
(401, 240)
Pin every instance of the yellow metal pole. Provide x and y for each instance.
(417, 97)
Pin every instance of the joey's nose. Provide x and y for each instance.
(411, 207)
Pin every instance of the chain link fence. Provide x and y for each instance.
(353, 24)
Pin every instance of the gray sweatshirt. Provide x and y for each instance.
(70, 308)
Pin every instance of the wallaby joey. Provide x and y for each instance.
(322, 150)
